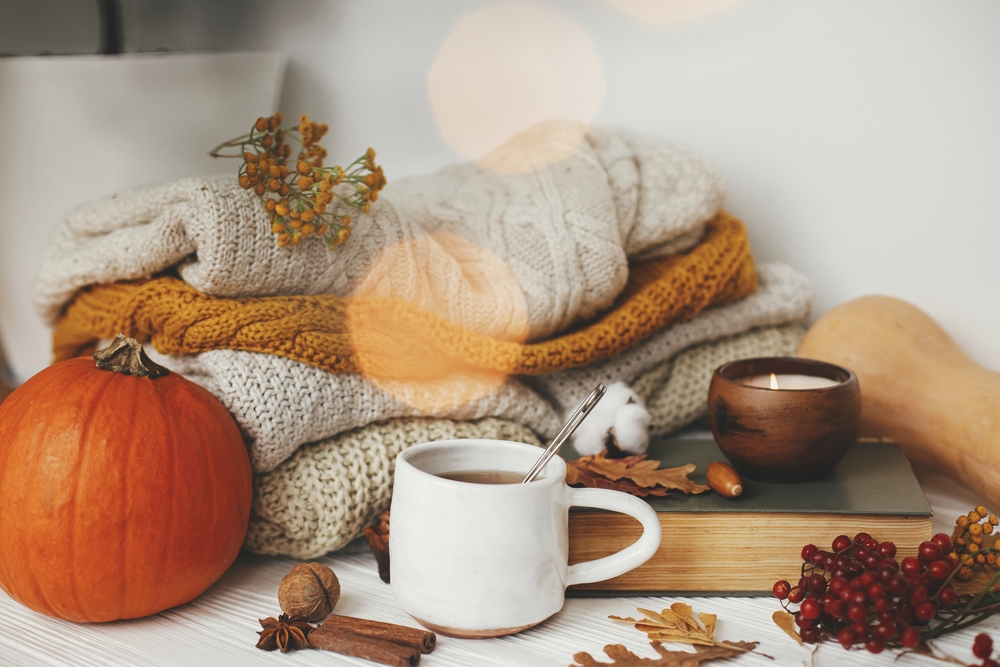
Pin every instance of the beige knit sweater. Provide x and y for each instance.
(327, 492)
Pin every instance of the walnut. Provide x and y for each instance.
(309, 592)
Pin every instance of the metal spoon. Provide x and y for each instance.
(567, 430)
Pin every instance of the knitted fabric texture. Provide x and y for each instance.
(323, 496)
(280, 404)
(392, 340)
(676, 392)
(505, 255)
(784, 296)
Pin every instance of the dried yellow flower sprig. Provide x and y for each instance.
(299, 202)
(972, 544)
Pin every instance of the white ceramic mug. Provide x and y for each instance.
(484, 560)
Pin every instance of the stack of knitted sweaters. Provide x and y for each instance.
(467, 304)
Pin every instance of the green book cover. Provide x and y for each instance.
(873, 478)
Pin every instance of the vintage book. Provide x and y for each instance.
(712, 545)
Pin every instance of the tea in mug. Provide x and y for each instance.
(484, 476)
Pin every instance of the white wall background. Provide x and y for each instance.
(860, 140)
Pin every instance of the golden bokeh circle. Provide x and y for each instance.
(408, 293)
(669, 12)
(505, 69)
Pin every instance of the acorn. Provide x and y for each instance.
(724, 479)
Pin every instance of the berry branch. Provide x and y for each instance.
(859, 594)
(299, 202)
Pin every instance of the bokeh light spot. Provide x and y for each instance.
(667, 12)
(504, 69)
(412, 288)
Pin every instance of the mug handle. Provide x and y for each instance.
(628, 558)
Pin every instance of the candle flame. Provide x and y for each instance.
(774, 381)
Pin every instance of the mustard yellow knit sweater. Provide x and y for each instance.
(393, 340)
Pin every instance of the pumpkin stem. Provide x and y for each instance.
(125, 355)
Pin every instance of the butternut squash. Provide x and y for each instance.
(917, 388)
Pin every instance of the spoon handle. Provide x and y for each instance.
(567, 430)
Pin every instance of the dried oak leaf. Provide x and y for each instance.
(643, 476)
(786, 622)
(578, 475)
(676, 624)
(622, 657)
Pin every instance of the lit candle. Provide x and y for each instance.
(784, 419)
(787, 381)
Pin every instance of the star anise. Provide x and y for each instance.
(283, 633)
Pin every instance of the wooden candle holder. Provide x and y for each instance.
(783, 435)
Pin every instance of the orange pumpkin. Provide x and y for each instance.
(123, 492)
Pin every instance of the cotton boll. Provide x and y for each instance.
(620, 409)
(632, 428)
(590, 436)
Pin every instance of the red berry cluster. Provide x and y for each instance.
(982, 648)
(858, 593)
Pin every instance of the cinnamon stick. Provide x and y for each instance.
(379, 547)
(358, 646)
(421, 640)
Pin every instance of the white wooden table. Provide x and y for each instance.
(219, 628)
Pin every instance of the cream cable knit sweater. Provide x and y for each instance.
(280, 403)
(506, 255)
(323, 496)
